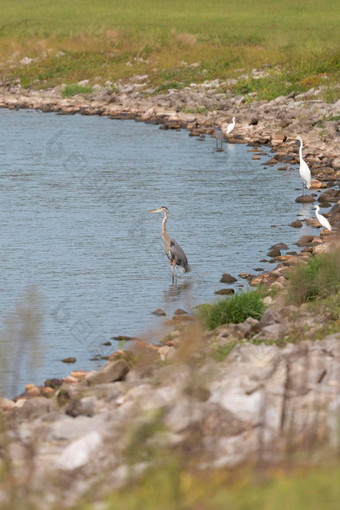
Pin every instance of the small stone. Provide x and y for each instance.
(179, 311)
(271, 161)
(159, 312)
(69, 360)
(79, 374)
(53, 383)
(6, 404)
(228, 278)
(47, 391)
(305, 199)
(280, 246)
(34, 391)
(245, 276)
(274, 252)
(258, 269)
(107, 343)
(304, 240)
(296, 224)
(226, 292)
(315, 184)
(71, 380)
(124, 338)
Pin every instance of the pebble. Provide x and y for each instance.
(226, 292)
(159, 312)
(69, 360)
(228, 278)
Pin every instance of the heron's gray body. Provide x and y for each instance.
(219, 137)
(173, 250)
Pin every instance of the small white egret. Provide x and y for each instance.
(230, 126)
(304, 169)
(324, 222)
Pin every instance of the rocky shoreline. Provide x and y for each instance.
(259, 403)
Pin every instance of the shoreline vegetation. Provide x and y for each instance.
(173, 44)
(239, 408)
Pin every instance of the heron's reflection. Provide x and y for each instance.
(180, 293)
(305, 211)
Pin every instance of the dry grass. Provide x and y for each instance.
(155, 38)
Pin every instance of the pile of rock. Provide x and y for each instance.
(257, 404)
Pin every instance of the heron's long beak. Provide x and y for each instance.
(155, 210)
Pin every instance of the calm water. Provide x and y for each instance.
(73, 195)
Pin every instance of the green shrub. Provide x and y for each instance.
(72, 90)
(320, 277)
(233, 310)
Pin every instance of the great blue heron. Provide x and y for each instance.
(230, 126)
(304, 169)
(324, 222)
(173, 251)
(219, 137)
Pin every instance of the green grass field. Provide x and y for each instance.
(110, 39)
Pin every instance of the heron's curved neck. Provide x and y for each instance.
(164, 232)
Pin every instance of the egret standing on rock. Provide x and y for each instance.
(304, 169)
(230, 126)
(172, 249)
(324, 222)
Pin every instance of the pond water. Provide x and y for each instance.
(74, 194)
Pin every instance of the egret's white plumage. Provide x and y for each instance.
(324, 222)
(304, 169)
(230, 126)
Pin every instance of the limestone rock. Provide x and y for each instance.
(113, 371)
(79, 453)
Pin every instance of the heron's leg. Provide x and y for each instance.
(175, 271)
(172, 271)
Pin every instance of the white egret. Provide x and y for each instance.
(304, 169)
(230, 126)
(324, 222)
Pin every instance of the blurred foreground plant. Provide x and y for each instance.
(19, 341)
